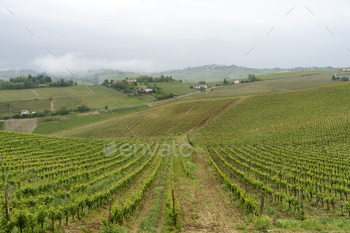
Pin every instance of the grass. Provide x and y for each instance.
(4, 109)
(294, 74)
(315, 224)
(170, 119)
(15, 95)
(176, 88)
(149, 224)
(56, 125)
(266, 86)
(31, 105)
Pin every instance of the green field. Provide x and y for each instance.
(266, 86)
(31, 105)
(170, 119)
(56, 125)
(15, 95)
(294, 74)
(176, 88)
(287, 118)
(102, 96)
(70, 97)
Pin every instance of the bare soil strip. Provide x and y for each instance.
(21, 125)
(36, 93)
(52, 106)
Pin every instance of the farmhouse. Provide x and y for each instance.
(147, 89)
(24, 112)
(117, 81)
(346, 69)
(131, 80)
(198, 86)
(236, 82)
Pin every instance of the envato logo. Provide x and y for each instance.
(163, 150)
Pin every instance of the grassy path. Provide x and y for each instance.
(207, 208)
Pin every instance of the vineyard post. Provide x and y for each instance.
(90, 190)
(11, 192)
(52, 188)
(138, 186)
(7, 203)
(132, 196)
(172, 196)
(65, 197)
(110, 211)
(262, 202)
(119, 198)
(302, 198)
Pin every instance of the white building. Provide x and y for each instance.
(236, 82)
(24, 112)
(198, 86)
(147, 89)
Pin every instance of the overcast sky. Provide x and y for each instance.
(150, 35)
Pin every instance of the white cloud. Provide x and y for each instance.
(77, 63)
(140, 34)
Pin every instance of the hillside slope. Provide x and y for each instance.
(319, 115)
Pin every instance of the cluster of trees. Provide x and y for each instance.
(124, 86)
(134, 88)
(149, 79)
(62, 83)
(26, 82)
(251, 78)
(344, 78)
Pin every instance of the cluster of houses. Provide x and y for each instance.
(26, 112)
(346, 69)
(130, 80)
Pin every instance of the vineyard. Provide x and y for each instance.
(287, 177)
(170, 119)
(276, 161)
(314, 116)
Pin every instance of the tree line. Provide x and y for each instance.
(30, 81)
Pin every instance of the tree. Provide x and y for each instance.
(203, 89)
(202, 82)
(333, 77)
(252, 78)
(63, 111)
(83, 108)
(225, 81)
(105, 83)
